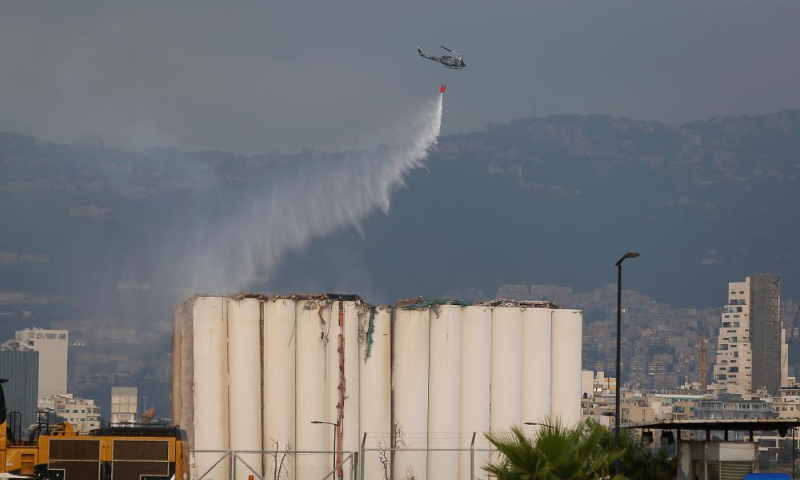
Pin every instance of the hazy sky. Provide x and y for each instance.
(277, 76)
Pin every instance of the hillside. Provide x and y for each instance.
(87, 232)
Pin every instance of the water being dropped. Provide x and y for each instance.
(316, 197)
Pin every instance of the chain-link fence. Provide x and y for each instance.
(423, 464)
(273, 465)
(367, 464)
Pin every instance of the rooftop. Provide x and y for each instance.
(760, 424)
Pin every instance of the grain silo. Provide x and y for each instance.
(410, 370)
(312, 323)
(244, 394)
(278, 394)
(252, 372)
(375, 383)
(506, 394)
(565, 360)
(444, 390)
(536, 358)
(475, 385)
(210, 379)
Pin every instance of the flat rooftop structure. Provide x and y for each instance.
(712, 459)
(746, 425)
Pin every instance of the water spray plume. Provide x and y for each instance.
(316, 197)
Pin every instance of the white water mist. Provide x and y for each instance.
(316, 197)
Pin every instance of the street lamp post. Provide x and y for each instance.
(619, 347)
(335, 432)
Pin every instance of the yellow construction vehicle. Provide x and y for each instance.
(16, 457)
(124, 452)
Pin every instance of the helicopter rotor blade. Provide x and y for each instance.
(447, 49)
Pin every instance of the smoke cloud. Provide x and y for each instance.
(308, 198)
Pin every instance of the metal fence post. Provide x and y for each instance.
(363, 457)
(354, 469)
(232, 456)
(472, 458)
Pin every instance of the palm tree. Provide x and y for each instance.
(555, 453)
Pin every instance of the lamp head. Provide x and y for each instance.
(627, 255)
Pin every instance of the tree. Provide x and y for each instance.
(638, 459)
(555, 453)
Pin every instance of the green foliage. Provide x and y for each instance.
(638, 459)
(555, 453)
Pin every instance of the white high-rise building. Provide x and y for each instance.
(751, 350)
(124, 404)
(53, 347)
(733, 370)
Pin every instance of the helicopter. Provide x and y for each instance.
(453, 61)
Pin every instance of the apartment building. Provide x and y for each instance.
(82, 413)
(52, 346)
(751, 350)
(124, 402)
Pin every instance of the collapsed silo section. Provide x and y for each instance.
(183, 369)
(244, 367)
(536, 336)
(375, 384)
(279, 387)
(211, 433)
(176, 403)
(313, 321)
(565, 366)
(476, 360)
(410, 391)
(506, 366)
(342, 397)
(444, 390)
